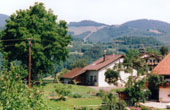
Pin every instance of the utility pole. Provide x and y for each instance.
(29, 79)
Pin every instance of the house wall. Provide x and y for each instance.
(67, 81)
(101, 74)
(94, 76)
(163, 94)
(124, 76)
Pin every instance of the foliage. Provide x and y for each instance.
(155, 80)
(62, 91)
(135, 42)
(133, 61)
(63, 71)
(85, 23)
(94, 53)
(164, 50)
(49, 38)
(101, 93)
(79, 63)
(111, 102)
(137, 92)
(77, 95)
(111, 76)
(88, 99)
(14, 95)
(130, 57)
(153, 51)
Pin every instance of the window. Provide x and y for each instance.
(91, 78)
(95, 79)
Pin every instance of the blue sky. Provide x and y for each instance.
(105, 11)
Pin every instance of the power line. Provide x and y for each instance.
(13, 40)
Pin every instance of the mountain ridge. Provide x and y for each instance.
(136, 28)
(86, 23)
(3, 17)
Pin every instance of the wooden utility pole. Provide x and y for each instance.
(29, 79)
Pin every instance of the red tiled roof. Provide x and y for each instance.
(150, 55)
(73, 73)
(163, 68)
(97, 65)
(100, 63)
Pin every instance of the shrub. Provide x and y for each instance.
(137, 92)
(62, 91)
(111, 76)
(14, 94)
(101, 93)
(111, 102)
(76, 95)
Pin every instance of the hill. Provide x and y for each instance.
(3, 17)
(106, 33)
(85, 23)
(145, 24)
(84, 29)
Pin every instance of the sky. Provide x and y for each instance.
(104, 11)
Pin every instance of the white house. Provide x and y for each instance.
(94, 74)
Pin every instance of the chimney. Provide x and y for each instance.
(104, 57)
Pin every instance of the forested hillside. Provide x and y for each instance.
(138, 28)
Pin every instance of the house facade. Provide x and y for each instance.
(94, 74)
(163, 69)
(151, 60)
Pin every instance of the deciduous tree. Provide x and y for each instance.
(164, 50)
(49, 38)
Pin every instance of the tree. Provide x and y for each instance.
(14, 95)
(49, 38)
(112, 102)
(62, 91)
(137, 92)
(154, 82)
(79, 63)
(164, 50)
(153, 51)
(111, 76)
(133, 61)
(93, 53)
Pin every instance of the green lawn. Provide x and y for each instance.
(88, 97)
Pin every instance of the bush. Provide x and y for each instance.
(101, 93)
(76, 95)
(137, 92)
(111, 102)
(62, 90)
(14, 94)
(111, 76)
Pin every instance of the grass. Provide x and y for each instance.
(88, 97)
(70, 103)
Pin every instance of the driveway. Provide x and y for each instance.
(154, 104)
